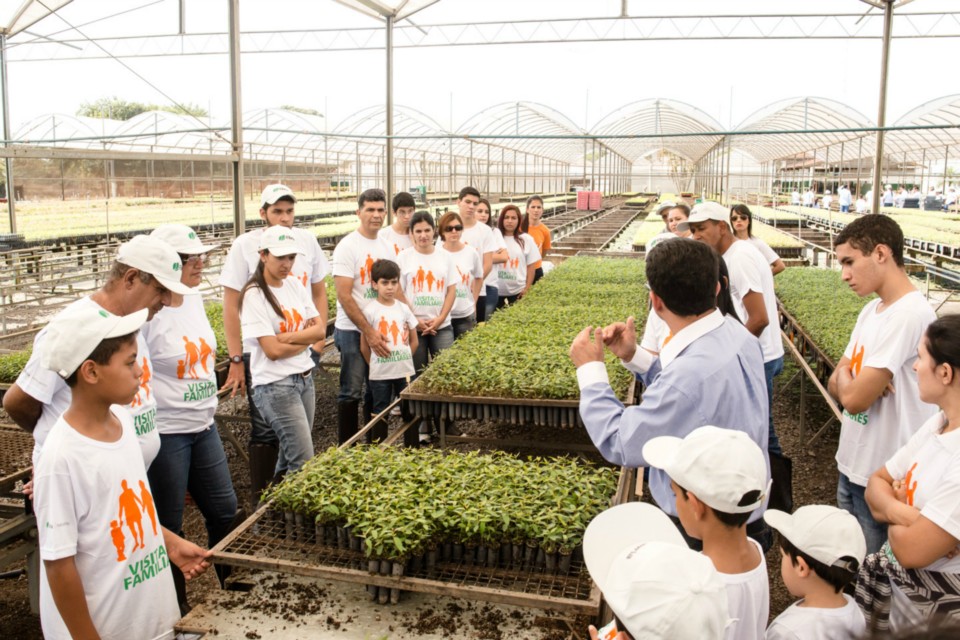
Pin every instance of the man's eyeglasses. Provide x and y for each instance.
(195, 259)
(453, 227)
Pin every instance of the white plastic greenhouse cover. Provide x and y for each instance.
(17, 15)
(399, 9)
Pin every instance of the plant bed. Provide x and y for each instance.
(488, 527)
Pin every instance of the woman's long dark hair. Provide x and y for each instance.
(943, 343)
(518, 230)
(259, 281)
(743, 210)
(489, 211)
(525, 219)
(724, 300)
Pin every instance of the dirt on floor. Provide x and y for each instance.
(814, 482)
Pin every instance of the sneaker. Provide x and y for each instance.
(395, 411)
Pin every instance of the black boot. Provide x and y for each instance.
(347, 420)
(263, 462)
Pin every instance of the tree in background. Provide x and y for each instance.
(115, 108)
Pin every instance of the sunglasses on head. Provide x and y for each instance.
(454, 227)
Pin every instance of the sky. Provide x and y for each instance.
(729, 80)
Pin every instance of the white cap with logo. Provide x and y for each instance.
(719, 466)
(182, 238)
(824, 533)
(76, 332)
(274, 192)
(154, 256)
(279, 241)
(703, 212)
(653, 582)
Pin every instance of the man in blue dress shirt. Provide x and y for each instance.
(710, 371)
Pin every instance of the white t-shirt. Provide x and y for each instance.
(85, 511)
(183, 349)
(768, 254)
(795, 197)
(243, 257)
(390, 322)
(491, 279)
(468, 266)
(861, 205)
(749, 271)
(512, 274)
(808, 198)
(425, 278)
(827, 201)
(814, 623)
(655, 333)
(353, 258)
(888, 340)
(258, 319)
(397, 241)
(930, 466)
(48, 388)
(657, 239)
(748, 600)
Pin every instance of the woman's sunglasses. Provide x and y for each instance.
(739, 217)
(453, 227)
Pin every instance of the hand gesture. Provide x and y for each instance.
(377, 343)
(621, 339)
(584, 350)
(191, 559)
(235, 382)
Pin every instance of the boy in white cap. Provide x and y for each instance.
(106, 561)
(719, 477)
(277, 204)
(146, 275)
(821, 548)
(655, 585)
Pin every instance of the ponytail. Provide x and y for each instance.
(260, 282)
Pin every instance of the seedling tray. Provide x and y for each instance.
(16, 458)
(265, 541)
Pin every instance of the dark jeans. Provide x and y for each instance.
(288, 405)
(850, 497)
(353, 368)
(260, 431)
(493, 295)
(537, 274)
(481, 308)
(384, 391)
(758, 530)
(504, 300)
(430, 346)
(462, 325)
(771, 370)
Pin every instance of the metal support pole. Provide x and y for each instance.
(388, 187)
(8, 164)
(236, 119)
(726, 190)
(882, 105)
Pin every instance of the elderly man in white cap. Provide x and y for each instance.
(277, 204)
(146, 275)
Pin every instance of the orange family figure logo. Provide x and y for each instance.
(130, 513)
(390, 330)
(292, 320)
(856, 362)
(144, 384)
(366, 270)
(194, 355)
(428, 278)
(302, 278)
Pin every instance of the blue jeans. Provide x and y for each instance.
(850, 497)
(462, 325)
(844, 208)
(288, 406)
(493, 295)
(193, 462)
(354, 370)
(431, 345)
(771, 370)
(384, 391)
(260, 431)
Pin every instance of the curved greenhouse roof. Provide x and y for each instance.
(927, 143)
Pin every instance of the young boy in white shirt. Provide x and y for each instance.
(106, 561)
(719, 477)
(395, 321)
(821, 549)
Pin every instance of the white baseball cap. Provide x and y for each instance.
(77, 331)
(703, 212)
(279, 241)
(653, 582)
(274, 192)
(668, 204)
(717, 465)
(154, 256)
(182, 238)
(822, 532)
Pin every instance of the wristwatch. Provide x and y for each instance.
(236, 359)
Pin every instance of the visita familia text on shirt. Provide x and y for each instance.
(149, 567)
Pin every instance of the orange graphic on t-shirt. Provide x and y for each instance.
(911, 489)
(369, 268)
(383, 327)
(130, 506)
(396, 248)
(302, 278)
(394, 331)
(430, 280)
(292, 320)
(116, 534)
(180, 369)
(516, 263)
(856, 362)
(363, 276)
(440, 284)
(418, 279)
(147, 500)
(464, 277)
(192, 352)
(667, 339)
(205, 352)
(144, 384)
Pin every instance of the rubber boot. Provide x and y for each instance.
(347, 420)
(263, 463)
